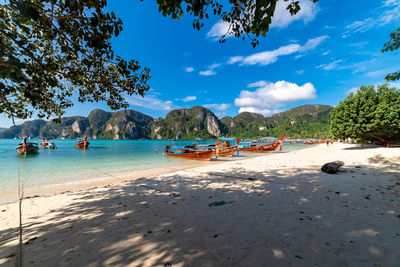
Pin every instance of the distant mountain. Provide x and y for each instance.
(2, 129)
(196, 122)
(303, 121)
(124, 124)
(26, 129)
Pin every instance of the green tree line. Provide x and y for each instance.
(368, 114)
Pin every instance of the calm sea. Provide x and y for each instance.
(66, 164)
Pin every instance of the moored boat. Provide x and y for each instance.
(26, 148)
(82, 143)
(189, 152)
(260, 148)
(225, 149)
(45, 144)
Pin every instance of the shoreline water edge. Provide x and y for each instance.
(105, 162)
(277, 210)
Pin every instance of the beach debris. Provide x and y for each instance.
(332, 167)
(219, 203)
(30, 240)
(298, 256)
(11, 255)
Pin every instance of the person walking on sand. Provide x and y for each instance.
(327, 142)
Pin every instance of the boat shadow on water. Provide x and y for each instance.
(216, 218)
(27, 156)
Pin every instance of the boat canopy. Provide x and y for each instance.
(227, 138)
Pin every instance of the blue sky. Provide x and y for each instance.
(315, 57)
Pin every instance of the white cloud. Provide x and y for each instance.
(359, 44)
(219, 107)
(189, 98)
(269, 57)
(299, 72)
(150, 102)
(326, 53)
(313, 43)
(282, 17)
(211, 70)
(328, 27)
(263, 111)
(257, 84)
(233, 60)
(219, 29)
(387, 13)
(329, 66)
(207, 73)
(353, 90)
(266, 99)
(189, 69)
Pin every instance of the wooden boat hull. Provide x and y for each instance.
(48, 146)
(82, 145)
(226, 151)
(262, 148)
(30, 149)
(200, 155)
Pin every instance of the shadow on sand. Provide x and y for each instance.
(305, 218)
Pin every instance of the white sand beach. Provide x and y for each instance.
(275, 210)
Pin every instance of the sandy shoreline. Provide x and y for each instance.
(278, 210)
(48, 190)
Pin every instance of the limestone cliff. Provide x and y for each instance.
(196, 122)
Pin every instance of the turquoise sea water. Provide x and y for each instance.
(66, 164)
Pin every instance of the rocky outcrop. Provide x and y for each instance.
(196, 122)
(126, 124)
(75, 127)
(213, 126)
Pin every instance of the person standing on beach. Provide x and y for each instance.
(327, 142)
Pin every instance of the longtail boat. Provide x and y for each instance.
(226, 149)
(189, 152)
(261, 148)
(26, 148)
(82, 143)
(47, 145)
